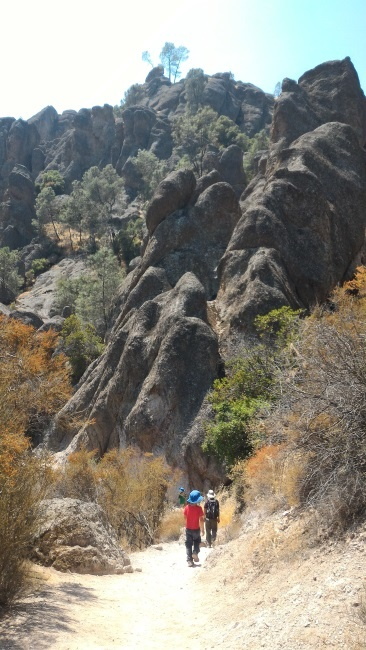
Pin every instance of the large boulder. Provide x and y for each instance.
(75, 536)
(46, 123)
(173, 193)
(27, 317)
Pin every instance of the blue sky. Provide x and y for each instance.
(76, 54)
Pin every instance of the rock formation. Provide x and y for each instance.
(76, 140)
(214, 256)
(75, 536)
(303, 221)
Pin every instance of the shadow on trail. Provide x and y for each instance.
(46, 614)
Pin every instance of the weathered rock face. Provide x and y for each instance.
(87, 138)
(296, 232)
(172, 194)
(75, 536)
(17, 210)
(41, 297)
(150, 382)
(74, 141)
(248, 106)
(328, 93)
(144, 129)
(162, 355)
(303, 223)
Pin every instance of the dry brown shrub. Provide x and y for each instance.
(24, 480)
(171, 525)
(321, 414)
(131, 489)
(77, 478)
(270, 479)
(128, 484)
(33, 386)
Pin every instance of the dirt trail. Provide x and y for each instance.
(152, 608)
(262, 590)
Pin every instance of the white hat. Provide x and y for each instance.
(211, 494)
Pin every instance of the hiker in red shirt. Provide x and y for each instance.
(194, 517)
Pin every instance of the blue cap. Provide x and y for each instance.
(181, 489)
(195, 497)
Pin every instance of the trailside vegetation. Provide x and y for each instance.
(238, 400)
(312, 450)
(91, 297)
(128, 484)
(34, 384)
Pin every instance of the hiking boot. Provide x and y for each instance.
(195, 556)
(190, 563)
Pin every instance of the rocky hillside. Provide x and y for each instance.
(215, 256)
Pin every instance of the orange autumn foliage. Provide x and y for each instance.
(261, 459)
(33, 383)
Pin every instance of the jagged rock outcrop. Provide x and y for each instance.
(144, 129)
(17, 210)
(76, 140)
(86, 138)
(296, 233)
(75, 536)
(150, 381)
(162, 354)
(329, 93)
(303, 223)
(248, 106)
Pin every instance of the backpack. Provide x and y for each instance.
(211, 509)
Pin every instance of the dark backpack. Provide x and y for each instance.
(212, 509)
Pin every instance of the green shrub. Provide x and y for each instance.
(39, 266)
(239, 399)
(135, 94)
(53, 179)
(152, 171)
(127, 243)
(259, 142)
(81, 345)
(9, 276)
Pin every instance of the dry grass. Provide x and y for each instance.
(129, 485)
(23, 484)
(171, 525)
(278, 540)
(230, 525)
